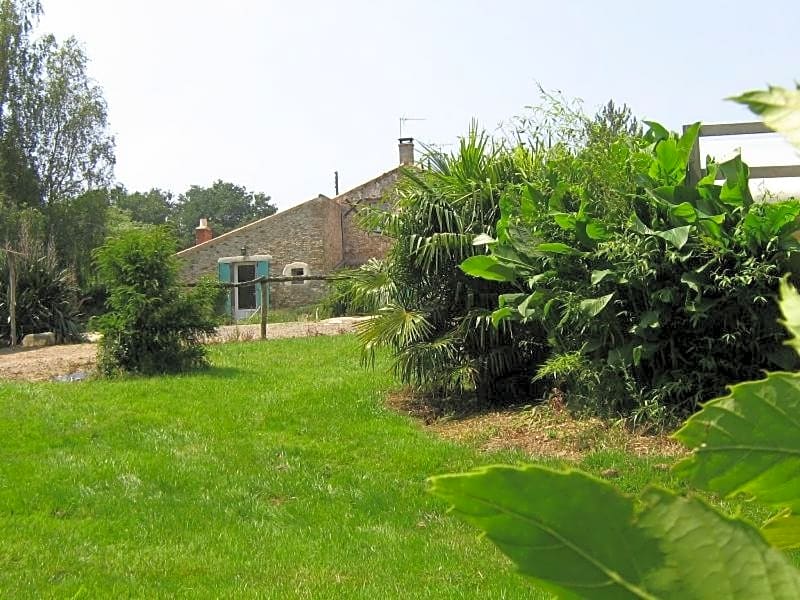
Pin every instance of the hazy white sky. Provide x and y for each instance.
(277, 95)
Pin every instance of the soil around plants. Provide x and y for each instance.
(545, 430)
(51, 362)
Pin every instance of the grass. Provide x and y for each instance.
(279, 473)
(288, 315)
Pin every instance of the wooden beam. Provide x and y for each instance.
(767, 172)
(227, 284)
(749, 128)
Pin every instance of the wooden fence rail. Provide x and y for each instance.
(263, 283)
(696, 172)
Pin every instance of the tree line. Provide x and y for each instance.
(57, 157)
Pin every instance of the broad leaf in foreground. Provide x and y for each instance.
(710, 555)
(572, 533)
(790, 309)
(783, 531)
(778, 107)
(578, 537)
(748, 442)
(487, 267)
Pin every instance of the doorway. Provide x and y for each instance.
(246, 303)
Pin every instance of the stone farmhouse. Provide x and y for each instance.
(316, 237)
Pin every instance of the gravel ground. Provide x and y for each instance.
(43, 364)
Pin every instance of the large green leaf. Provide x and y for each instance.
(748, 442)
(592, 307)
(639, 227)
(684, 211)
(657, 131)
(597, 230)
(578, 537)
(779, 107)
(564, 220)
(710, 555)
(736, 189)
(566, 530)
(556, 248)
(667, 159)
(783, 531)
(501, 314)
(530, 305)
(677, 236)
(696, 281)
(600, 275)
(487, 267)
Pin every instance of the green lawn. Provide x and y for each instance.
(276, 474)
(288, 315)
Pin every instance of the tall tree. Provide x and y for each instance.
(65, 131)
(226, 205)
(154, 207)
(54, 140)
(18, 181)
(77, 227)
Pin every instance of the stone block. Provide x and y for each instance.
(39, 340)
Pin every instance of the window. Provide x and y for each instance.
(296, 269)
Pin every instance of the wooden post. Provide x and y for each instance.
(233, 306)
(264, 301)
(12, 297)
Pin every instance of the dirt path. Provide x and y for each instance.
(43, 364)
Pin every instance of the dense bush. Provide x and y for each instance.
(653, 304)
(152, 325)
(437, 321)
(47, 296)
(665, 544)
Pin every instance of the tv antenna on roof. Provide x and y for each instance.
(404, 120)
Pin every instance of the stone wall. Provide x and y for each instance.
(359, 244)
(332, 238)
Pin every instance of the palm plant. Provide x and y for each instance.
(47, 295)
(435, 320)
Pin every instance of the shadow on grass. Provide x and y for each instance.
(212, 372)
(216, 372)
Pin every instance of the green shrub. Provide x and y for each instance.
(152, 325)
(668, 301)
(663, 544)
(47, 295)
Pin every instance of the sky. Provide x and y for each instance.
(277, 95)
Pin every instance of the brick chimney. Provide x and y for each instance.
(202, 233)
(406, 151)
